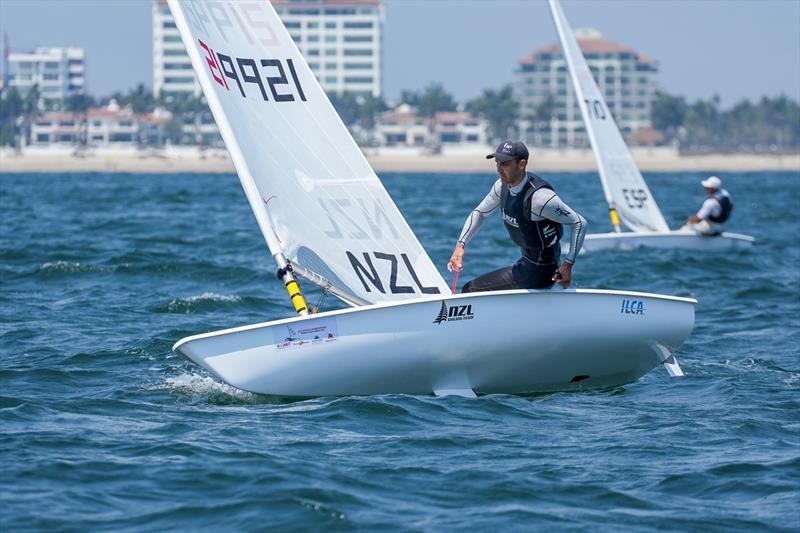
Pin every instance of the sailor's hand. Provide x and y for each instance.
(563, 275)
(457, 259)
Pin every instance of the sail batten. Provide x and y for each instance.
(315, 197)
(623, 185)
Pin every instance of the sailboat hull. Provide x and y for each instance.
(498, 342)
(673, 240)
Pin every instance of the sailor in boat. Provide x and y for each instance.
(714, 212)
(533, 214)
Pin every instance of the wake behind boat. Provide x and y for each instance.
(326, 217)
(630, 201)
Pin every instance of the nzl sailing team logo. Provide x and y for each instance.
(454, 312)
(511, 221)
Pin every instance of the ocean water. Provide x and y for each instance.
(103, 428)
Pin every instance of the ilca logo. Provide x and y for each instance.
(453, 313)
(632, 307)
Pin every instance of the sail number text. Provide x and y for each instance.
(635, 198)
(264, 74)
(367, 272)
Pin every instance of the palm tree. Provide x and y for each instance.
(668, 113)
(434, 99)
(197, 108)
(703, 124)
(79, 104)
(346, 105)
(30, 111)
(499, 109)
(140, 99)
(370, 108)
(543, 116)
(431, 100)
(11, 105)
(173, 129)
(187, 109)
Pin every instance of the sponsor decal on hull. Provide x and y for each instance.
(295, 335)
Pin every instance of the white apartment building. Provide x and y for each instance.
(113, 126)
(58, 73)
(109, 126)
(625, 77)
(172, 69)
(340, 40)
(459, 128)
(57, 128)
(403, 127)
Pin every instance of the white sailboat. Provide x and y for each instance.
(326, 217)
(629, 199)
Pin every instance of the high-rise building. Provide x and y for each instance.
(172, 69)
(57, 73)
(340, 39)
(548, 106)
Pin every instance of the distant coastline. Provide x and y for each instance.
(456, 160)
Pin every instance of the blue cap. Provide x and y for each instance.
(508, 150)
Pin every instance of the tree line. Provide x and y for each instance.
(18, 111)
(769, 125)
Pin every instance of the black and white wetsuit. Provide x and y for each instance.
(533, 214)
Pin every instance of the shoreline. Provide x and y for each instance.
(454, 160)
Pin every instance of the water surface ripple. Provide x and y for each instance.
(102, 428)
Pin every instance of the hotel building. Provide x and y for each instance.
(403, 127)
(109, 126)
(57, 72)
(340, 40)
(172, 69)
(625, 77)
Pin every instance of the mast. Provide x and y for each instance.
(558, 18)
(627, 195)
(285, 272)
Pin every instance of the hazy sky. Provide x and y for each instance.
(736, 48)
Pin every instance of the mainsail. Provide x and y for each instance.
(624, 188)
(315, 197)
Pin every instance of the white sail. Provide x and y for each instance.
(624, 188)
(314, 195)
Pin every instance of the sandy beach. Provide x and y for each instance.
(458, 159)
